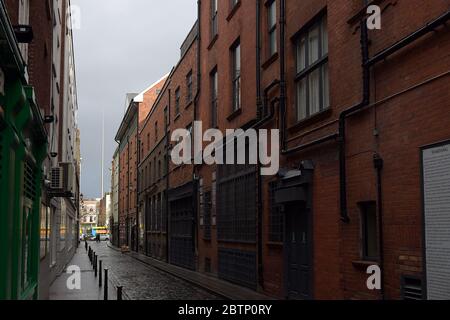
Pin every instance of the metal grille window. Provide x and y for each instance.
(214, 18)
(312, 70)
(275, 217)
(163, 213)
(236, 67)
(214, 97)
(272, 26)
(238, 267)
(236, 203)
(181, 235)
(29, 185)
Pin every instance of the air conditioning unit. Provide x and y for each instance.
(63, 178)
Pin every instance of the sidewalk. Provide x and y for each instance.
(90, 289)
(223, 288)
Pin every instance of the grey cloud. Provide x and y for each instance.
(122, 46)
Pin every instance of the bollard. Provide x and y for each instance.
(95, 265)
(100, 274)
(105, 287)
(119, 293)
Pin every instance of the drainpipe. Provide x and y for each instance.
(138, 153)
(259, 115)
(283, 74)
(169, 105)
(196, 101)
(342, 129)
(259, 104)
(367, 64)
(378, 164)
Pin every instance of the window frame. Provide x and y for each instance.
(364, 208)
(214, 18)
(214, 85)
(189, 87)
(177, 101)
(236, 76)
(320, 64)
(272, 29)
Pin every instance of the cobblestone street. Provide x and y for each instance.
(142, 282)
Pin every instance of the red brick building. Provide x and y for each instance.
(334, 191)
(364, 131)
(129, 142)
(167, 198)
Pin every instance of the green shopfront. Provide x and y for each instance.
(23, 148)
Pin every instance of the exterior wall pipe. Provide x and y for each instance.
(367, 64)
(259, 104)
(283, 73)
(342, 129)
(429, 27)
(378, 164)
(259, 112)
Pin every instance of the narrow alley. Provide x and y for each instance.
(139, 280)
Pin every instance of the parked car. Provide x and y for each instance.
(104, 237)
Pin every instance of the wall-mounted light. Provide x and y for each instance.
(24, 33)
(49, 119)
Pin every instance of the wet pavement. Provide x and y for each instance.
(143, 282)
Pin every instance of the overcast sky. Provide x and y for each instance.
(122, 46)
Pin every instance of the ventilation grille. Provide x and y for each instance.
(29, 186)
(412, 288)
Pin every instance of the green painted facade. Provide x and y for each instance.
(23, 148)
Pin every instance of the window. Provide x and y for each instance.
(214, 21)
(166, 118)
(189, 87)
(214, 97)
(156, 131)
(312, 71)
(272, 27)
(234, 3)
(177, 101)
(369, 231)
(236, 69)
(159, 169)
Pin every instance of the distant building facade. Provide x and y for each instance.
(89, 217)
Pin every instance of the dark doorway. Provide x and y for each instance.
(182, 249)
(298, 251)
